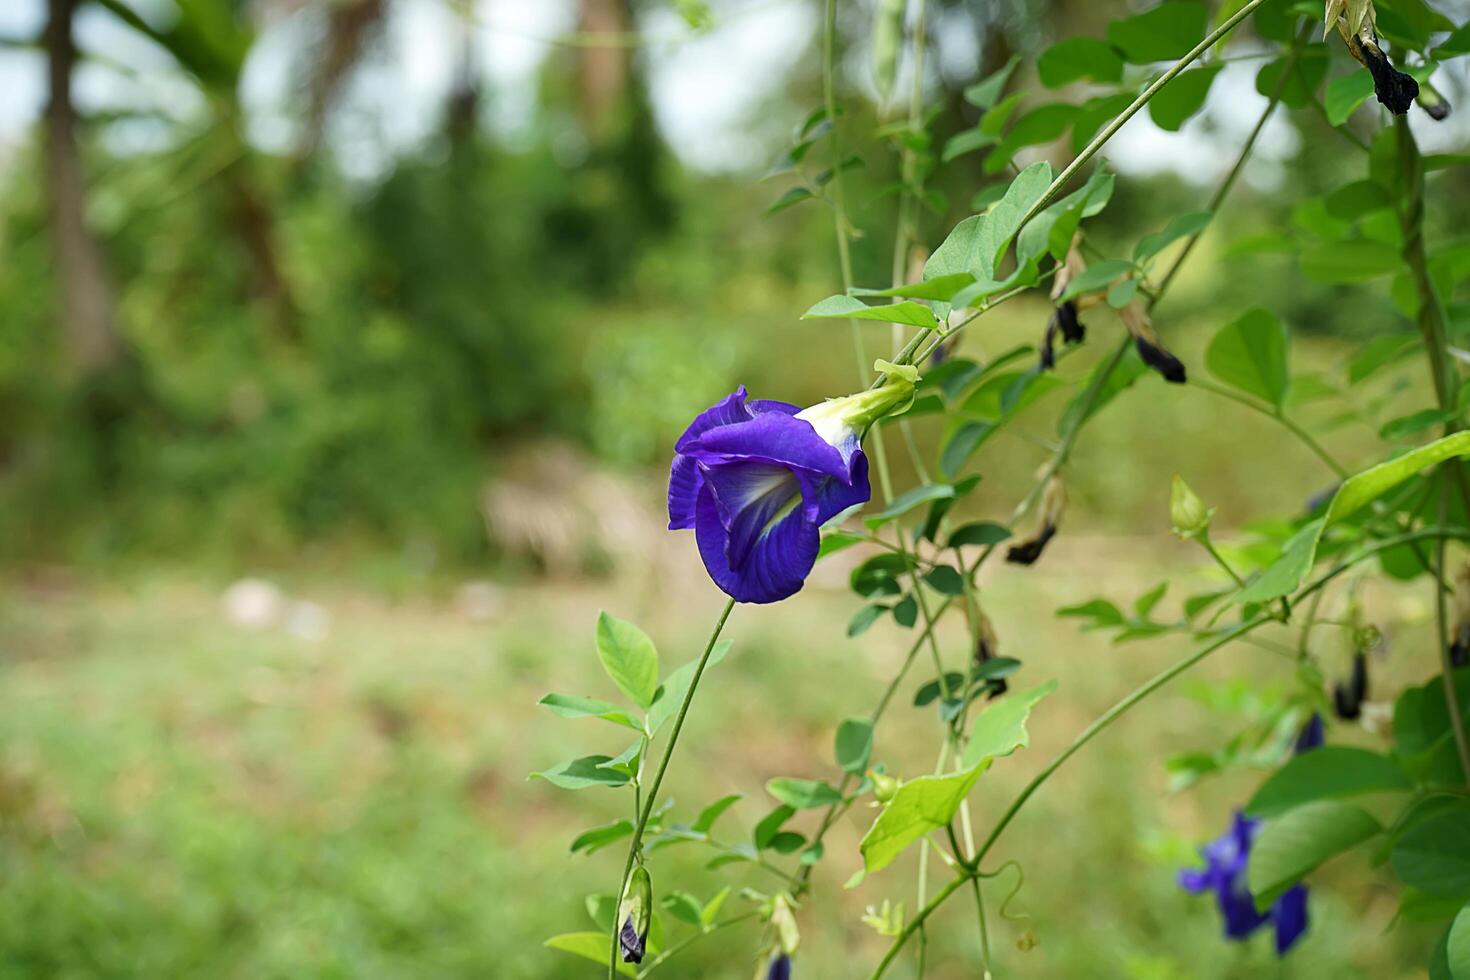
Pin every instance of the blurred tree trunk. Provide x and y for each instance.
(86, 291)
(602, 70)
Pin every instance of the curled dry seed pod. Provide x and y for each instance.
(1150, 348)
(987, 647)
(1064, 319)
(1053, 504)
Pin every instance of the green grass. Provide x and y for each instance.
(179, 798)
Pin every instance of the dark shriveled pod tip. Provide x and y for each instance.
(1027, 552)
(1394, 89)
(1161, 361)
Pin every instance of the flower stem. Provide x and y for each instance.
(658, 777)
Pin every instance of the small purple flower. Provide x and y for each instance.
(780, 967)
(757, 479)
(1311, 736)
(1224, 874)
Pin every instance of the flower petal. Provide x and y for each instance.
(728, 411)
(1290, 915)
(779, 560)
(749, 497)
(684, 484)
(825, 498)
(771, 438)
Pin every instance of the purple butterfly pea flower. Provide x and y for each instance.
(1311, 736)
(780, 966)
(1224, 874)
(757, 479)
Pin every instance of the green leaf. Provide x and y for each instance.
(983, 94)
(599, 837)
(1328, 772)
(854, 744)
(864, 618)
(994, 235)
(1000, 729)
(1379, 352)
(705, 822)
(906, 613)
(671, 695)
(793, 196)
(1434, 855)
(837, 541)
(1357, 260)
(1250, 354)
(1079, 57)
(940, 289)
(1457, 946)
(1283, 575)
(1164, 33)
(629, 658)
(967, 141)
(803, 794)
(682, 906)
(1182, 97)
(945, 580)
(1041, 125)
(1097, 277)
(1103, 614)
(1301, 85)
(1180, 227)
(920, 806)
(712, 907)
(877, 576)
(1413, 423)
(1345, 94)
(571, 706)
(595, 946)
(582, 773)
(1293, 845)
(847, 307)
(983, 533)
(907, 501)
(1286, 573)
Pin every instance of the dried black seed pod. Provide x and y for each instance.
(1161, 361)
(1348, 695)
(1064, 321)
(1028, 551)
(1394, 89)
(987, 647)
(1053, 504)
(1073, 330)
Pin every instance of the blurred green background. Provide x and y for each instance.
(341, 349)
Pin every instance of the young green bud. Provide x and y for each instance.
(783, 918)
(1187, 511)
(884, 787)
(635, 913)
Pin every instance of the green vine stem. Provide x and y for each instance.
(636, 845)
(1432, 325)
